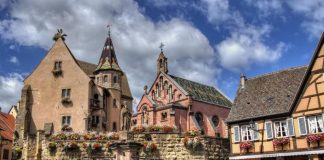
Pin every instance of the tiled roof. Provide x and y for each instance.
(7, 125)
(201, 92)
(266, 95)
(89, 68)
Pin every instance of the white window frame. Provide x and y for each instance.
(280, 127)
(65, 123)
(66, 93)
(317, 123)
(249, 130)
(239, 132)
(271, 129)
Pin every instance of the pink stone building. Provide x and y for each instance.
(182, 103)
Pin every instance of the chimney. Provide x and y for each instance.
(242, 81)
(145, 89)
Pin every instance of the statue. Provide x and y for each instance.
(126, 115)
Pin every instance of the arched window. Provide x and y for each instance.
(215, 120)
(115, 103)
(157, 90)
(170, 92)
(114, 127)
(105, 78)
(115, 79)
(199, 118)
(165, 85)
(161, 65)
(179, 96)
(153, 94)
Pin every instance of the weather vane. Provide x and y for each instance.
(161, 46)
(108, 26)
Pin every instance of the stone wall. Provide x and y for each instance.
(170, 146)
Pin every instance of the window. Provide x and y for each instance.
(315, 124)
(105, 78)
(96, 96)
(95, 121)
(58, 65)
(280, 128)
(5, 154)
(153, 94)
(199, 118)
(97, 79)
(164, 116)
(115, 79)
(215, 120)
(134, 122)
(246, 133)
(170, 92)
(66, 120)
(66, 93)
(179, 96)
(114, 127)
(114, 103)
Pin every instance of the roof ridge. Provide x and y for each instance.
(85, 62)
(276, 72)
(192, 81)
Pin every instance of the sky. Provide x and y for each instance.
(209, 41)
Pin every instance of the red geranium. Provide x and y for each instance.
(280, 141)
(246, 145)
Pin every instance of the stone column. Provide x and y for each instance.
(126, 150)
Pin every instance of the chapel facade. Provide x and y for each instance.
(181, 103)
(63, 93)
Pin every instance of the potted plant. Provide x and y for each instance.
(280, 141)
(149, 147)
(66, 128)
(246, 145)
(192, 144)
(71, 147)
(167, 129)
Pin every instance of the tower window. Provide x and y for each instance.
(95, 121)
(66, 93)
(115, 103)
(115, 79)
(215, 120)
(105, 78)
(161, 64)
(199, 118)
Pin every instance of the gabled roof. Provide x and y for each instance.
(267, 95)
(7, 125)
(203, 93)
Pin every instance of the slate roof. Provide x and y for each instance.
(203, 93)
(266, 95)
(7, 124)
(89, 68)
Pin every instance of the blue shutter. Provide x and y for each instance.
(269, 130)
(290, 123)
(236, 133)
(302, 126)
(256, 132)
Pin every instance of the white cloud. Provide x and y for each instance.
(314, 15)
(267, 7)
(14, 60)
(246, 47)
(136, 38)
(10, 87)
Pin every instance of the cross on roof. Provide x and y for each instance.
(161, 46)
(108, 26)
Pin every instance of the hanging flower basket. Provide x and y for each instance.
(246, 145)
(280, 141)
(192, 144)
(311, 138)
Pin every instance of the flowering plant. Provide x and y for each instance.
(154, 128)
(149, 147)
(313, 138)
(70, 146)
(280, 141)
(167, 129)
(96, 147)
(73, 136)
(67, 128)
(89, 136)
(246, 145)
(59, 136)
(192, 133)
(138, 129)
(192, 143)
(113, 136)
(52, 146)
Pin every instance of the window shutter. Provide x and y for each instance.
(269, 130)
(236, 133)
(302, 126)
(290, 123)
(256, 132)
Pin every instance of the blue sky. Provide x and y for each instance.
(209, 41)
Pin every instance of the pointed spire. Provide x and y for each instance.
(108, 59)
(162, 61)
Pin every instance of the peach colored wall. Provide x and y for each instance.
(47, 89)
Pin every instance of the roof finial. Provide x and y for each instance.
(161, 46)
(108, 26)
(59, 34)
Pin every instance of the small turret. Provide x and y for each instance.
(162, 62)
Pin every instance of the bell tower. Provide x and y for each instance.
(162, 62)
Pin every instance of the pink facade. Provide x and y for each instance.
(182, 103)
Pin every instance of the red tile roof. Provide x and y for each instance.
(7, 125)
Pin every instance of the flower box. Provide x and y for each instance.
(311, 138)
(246, 145)
(280, 141)
(149, 147)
